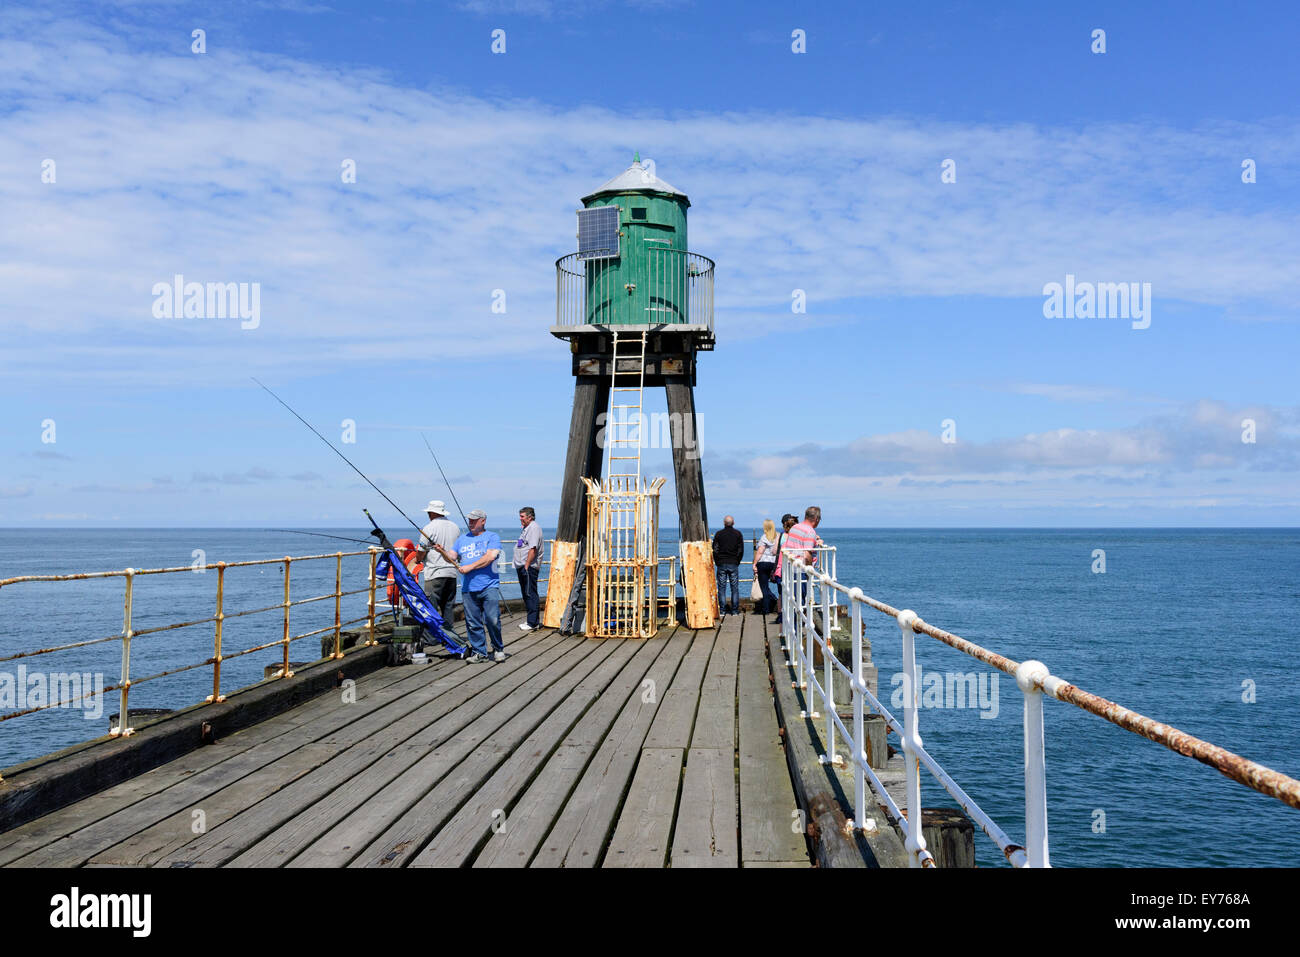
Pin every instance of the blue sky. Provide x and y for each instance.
(817, 171)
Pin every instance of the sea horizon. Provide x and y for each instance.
(1155, 628)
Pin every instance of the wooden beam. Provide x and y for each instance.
(563, 566)
(701, 584)
(688, 474)
(585, 458)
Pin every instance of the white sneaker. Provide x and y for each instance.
(499, 656)
(524, 626)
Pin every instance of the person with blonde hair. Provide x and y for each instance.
(765, 553)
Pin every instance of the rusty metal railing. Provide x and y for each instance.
(218, 620)
(805, 591)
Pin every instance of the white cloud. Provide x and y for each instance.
(1070, 393)
(226, 168)
(1203, 436)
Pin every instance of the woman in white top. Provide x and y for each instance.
(765, 564)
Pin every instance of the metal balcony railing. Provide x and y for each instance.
(677, 290)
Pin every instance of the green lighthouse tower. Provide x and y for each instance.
(636, 307)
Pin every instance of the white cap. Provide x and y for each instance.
(436, 507)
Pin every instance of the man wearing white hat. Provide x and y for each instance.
(439, 574)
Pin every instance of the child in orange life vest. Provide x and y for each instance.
(405, 549)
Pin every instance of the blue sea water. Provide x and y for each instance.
(1181, 626)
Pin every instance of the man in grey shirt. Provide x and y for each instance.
(439, 574)
(528, 562)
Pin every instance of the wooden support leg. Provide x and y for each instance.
(692, 516)
(688, 474)
(585, 459)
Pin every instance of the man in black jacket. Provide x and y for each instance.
(728, 550)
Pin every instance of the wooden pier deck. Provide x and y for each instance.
(571, 753)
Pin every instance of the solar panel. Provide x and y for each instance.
(598, 232)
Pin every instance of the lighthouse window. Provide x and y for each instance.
(638, 212)
(598, 232)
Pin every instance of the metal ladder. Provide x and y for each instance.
(623, 425)
(623, 522)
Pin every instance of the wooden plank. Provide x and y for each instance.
(533, 814)
(94, 834)
(646, 820)
(749, 864)
(715, 719)
(147, 830)
(645, 824)
(676, 715)
(706, 830)
(582, 829)
(701, 584)
(419, 800)
(564, 557)
(770, 834)
(45, 784)
(319, 764)
(490, 807)
(532, 817)
(422, 728)
(69, 776)
(372, 690)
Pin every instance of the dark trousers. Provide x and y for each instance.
(528, 587)
(442, 592)
(765, 570)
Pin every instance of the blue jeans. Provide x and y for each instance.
(528, 587)
(729, 574)
(483, 607)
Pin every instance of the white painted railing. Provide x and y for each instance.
(805, 590)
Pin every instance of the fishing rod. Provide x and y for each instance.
(444, 478)
(378, 533)
(339, 454)
(295, 531)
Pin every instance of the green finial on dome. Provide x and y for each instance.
(636, 157)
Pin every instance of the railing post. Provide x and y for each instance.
(809, 627)
(286, 673)
(216, 639)
(1027, 677)
(835, 577)
(796, 614)
(911, 740)
(123, 728)
(828, 669)
(859, 700)
(785, 616)
(338, 606)
(370, 625)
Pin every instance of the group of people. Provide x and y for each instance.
(796, 539)
(445, 552)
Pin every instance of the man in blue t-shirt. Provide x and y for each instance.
(475, 557)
